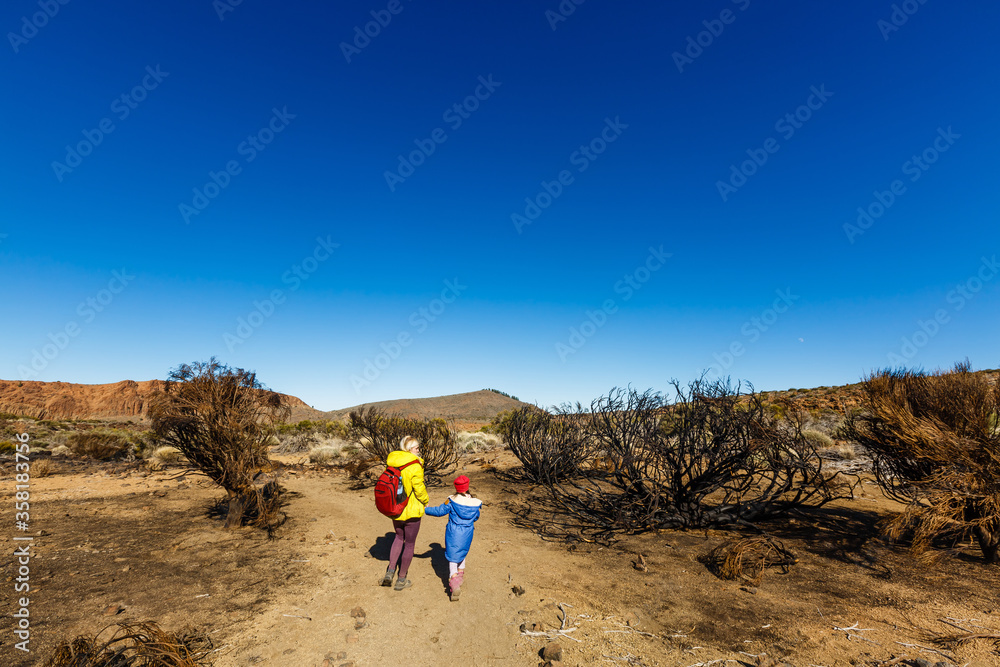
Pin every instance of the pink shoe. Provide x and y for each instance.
(455, 584)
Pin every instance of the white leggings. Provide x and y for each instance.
(453, 568)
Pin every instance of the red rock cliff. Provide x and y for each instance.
(64, 400)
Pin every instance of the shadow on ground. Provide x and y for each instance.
(438, 561)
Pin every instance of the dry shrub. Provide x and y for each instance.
(99, 445)
(296, 443)
(221, 419)
(478, 442)
(379, 433)
(746, 559)
(61, 450)
(134, 645)
(42, 468)
(935, 445)
(324, 454)
(306, 435)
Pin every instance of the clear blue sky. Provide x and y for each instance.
(588, 168)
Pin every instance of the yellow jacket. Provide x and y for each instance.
(413, 484)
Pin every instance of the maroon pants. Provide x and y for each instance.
(403, 545)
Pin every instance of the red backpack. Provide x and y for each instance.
(390, 498)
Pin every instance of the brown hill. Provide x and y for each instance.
(64, 400)
(844, 397)
(474, 406)
(130, 400)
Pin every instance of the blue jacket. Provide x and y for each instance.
(462, 513)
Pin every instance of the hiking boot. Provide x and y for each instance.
(402, 583)
(387, 579)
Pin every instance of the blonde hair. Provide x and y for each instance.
(407, 442)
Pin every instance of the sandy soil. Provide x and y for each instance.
(115, 536)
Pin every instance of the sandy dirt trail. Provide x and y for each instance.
(148, 546)
(349, 544)
(677, 613)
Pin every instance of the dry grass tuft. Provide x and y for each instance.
(959, 639)
(746, 559)
(134, 645)
(478, 442)
(99, 445)
(167, 455)
(817, 438)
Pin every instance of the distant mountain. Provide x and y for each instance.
(473, 406)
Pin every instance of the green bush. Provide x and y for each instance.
(334, 428)
(778, 410)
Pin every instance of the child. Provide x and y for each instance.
(463, 511)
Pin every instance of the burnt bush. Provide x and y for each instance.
(378, 433)
(935, 446)
(711, 456)
(222, 419)
(549, 447)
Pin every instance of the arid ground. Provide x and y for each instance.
(117, 542)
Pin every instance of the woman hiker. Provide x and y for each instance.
(407, 524)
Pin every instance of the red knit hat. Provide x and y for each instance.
(462, 484)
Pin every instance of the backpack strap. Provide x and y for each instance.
(406, 465)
